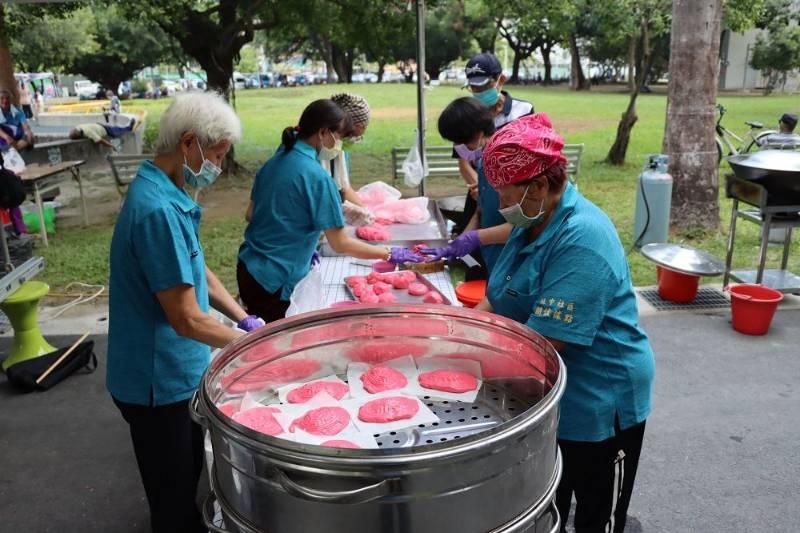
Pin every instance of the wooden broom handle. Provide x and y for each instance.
(60, 359)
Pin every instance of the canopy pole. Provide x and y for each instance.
(420, 5)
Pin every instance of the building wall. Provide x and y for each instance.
(736, 51)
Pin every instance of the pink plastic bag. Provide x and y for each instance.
(408, 211)
(377, 193)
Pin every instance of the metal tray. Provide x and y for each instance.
(402, 294)
(433, 233)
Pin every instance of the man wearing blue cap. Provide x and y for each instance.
(485, 79)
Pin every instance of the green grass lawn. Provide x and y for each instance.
(78, 254)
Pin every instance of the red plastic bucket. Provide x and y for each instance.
(676, 286)
(752, 307)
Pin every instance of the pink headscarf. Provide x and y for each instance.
(523, 149)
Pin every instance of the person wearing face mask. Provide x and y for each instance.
(469, 124)
(564, 274)
(485, 80)
(160, 329)
(294, 200)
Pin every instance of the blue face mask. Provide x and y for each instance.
(207, 174)
(516, 216)
(488, 97)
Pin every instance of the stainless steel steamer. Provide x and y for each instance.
(489, 466)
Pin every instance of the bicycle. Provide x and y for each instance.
(723, 137)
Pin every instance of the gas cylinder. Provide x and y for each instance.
(653, 202)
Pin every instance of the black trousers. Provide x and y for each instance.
(601, 475)
(169, 451)
(268, 306)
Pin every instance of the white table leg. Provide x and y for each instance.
(76, 173)
(40, 208)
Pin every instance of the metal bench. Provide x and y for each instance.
(124, 168)
(441, 162)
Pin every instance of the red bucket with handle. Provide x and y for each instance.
(753, 307)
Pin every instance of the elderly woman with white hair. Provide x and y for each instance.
(160, 329)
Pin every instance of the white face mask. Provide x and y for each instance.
(515, 216)
(326, 154)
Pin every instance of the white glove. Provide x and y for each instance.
(355, 215)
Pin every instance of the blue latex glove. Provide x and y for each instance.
(404, 255)
(249, 323)
(464, 244)
(315, 258)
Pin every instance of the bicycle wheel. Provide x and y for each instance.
(719, 151)
(755, 143)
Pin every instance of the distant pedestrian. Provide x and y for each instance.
(25, 100)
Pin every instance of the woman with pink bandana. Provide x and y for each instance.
(564, 274)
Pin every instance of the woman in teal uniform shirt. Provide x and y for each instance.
(294, 200)
(563, 273)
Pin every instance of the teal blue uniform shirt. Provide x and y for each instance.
(14, 117)
(294, 200)
(572, 284)
(155, 247)
(489, 204)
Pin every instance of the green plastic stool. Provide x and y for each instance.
(20, 308)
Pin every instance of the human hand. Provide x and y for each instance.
(473, 191)
(400, 255)
(250, 322)
(464, 244)
(355, 215)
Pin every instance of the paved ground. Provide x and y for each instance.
(720, 451)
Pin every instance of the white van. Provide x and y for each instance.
(85, 89)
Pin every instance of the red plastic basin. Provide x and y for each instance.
(753, 307)
(676, 286)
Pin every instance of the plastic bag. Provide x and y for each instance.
(307, 295)
(414, 169)
(408, 211)
(377, 193)
(13, 161)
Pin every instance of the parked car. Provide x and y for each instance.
(85, 89)
(302, 79)
(252, 81)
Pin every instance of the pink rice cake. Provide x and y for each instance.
(387, 298)
(304, 393)
(374, 277)
(228, 409)
(417, 289)
(375, 232)
(391, 409)
(261, 419)
(399, 281)
(381, 287)
(496, 365)
(275, 373)
(369, 298)
(339, 443)
(379, 351)
(324, 421)
(456, 381)
(433, 297)
(352, 281)
(382, 378)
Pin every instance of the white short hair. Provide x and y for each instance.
(206, 114)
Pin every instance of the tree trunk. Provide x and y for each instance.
(548, 64)
(616, 155)
(632, 63)
(577, 79)
(515, 68)
(381, 70)
(7, 80)
(689, 135)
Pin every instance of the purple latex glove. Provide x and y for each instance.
(249, 323)
(315, 258)
(404, 255)
(464, 244)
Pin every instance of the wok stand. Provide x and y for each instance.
(769, 213)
